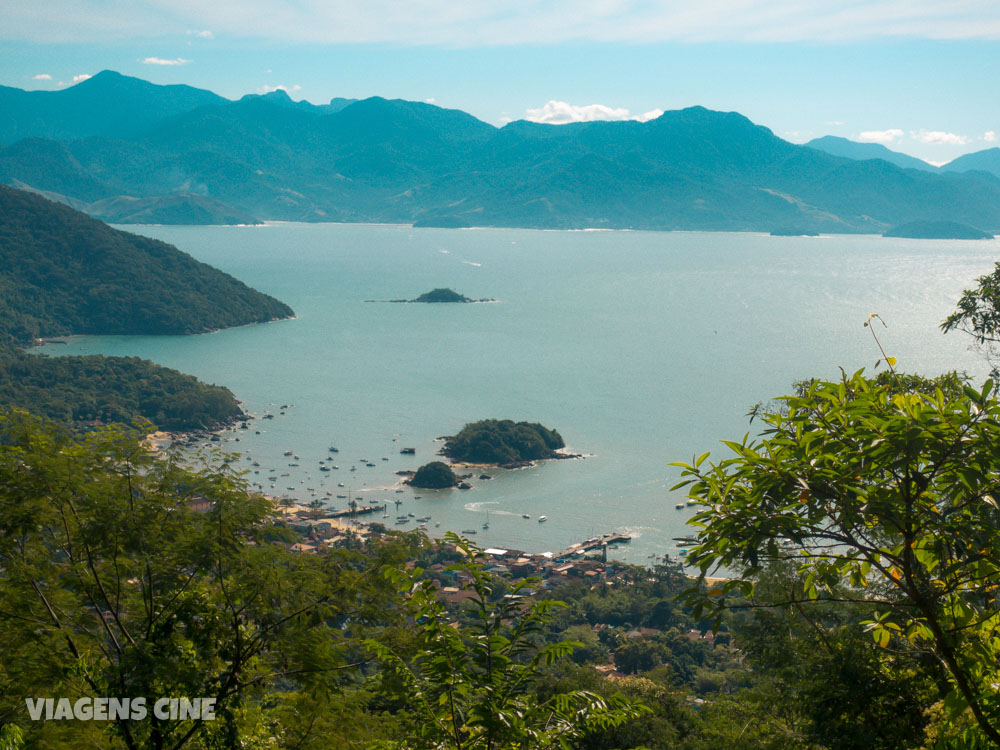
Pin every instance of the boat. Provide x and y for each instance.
(486, 523)
(408, 451)
(543, 519)
(468, 531)
(525, 515)
(288, 453)
(333, 450)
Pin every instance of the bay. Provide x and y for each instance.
(641, 348)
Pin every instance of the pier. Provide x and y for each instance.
(594, 543)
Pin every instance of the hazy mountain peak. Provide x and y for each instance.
(987, 160)
(848, 149)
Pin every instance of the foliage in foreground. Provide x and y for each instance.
(978, 315)
(473, 687)
(884, 499)
(116, 584)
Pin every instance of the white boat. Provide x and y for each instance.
(542, 519)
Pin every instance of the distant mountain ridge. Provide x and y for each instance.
(849, 149)
(107, 104)
(987, 160)
(410, 162)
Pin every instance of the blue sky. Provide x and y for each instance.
(919, 76)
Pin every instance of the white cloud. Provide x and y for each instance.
(161, 61)
(486, 22)
(81, 77)
(990, 136)
(430, 101)
(880, 136)
(559, 113)
(200, 33)
(939, 137)
(41, 77)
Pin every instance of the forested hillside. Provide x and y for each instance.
(64, 273)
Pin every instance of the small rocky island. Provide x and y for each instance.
(436, 475)
(441, 295)
(938, 230)
(504, 443)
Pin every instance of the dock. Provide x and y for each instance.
(356, 511)
(594, 543)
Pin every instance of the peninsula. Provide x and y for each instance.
(64, 273)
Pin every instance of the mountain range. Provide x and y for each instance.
(128, 150)
(987, 160)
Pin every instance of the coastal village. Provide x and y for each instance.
(587, 560)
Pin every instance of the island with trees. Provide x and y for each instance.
(442, 295)
(503, 442)
(436, 475)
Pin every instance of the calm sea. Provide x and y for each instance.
(640, 348)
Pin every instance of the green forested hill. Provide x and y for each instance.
(111, 389)
(62, 272)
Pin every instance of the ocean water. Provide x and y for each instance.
(640, 348)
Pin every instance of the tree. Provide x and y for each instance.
(880, 495)
(115, 585)
(978, 315)
(471, 688)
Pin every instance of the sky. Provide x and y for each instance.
(919, 76)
